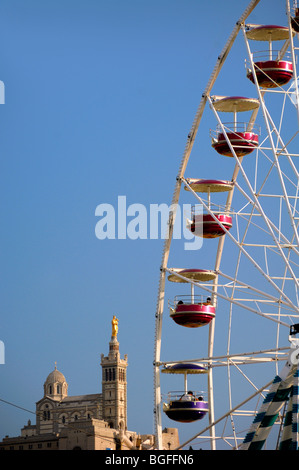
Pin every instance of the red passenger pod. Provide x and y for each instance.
(235, 138)
(206, 226)
(243, 143)
(193, 315)
(275, 70)
(192, 312)
(272, 73)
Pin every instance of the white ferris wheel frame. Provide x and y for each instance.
(279, 241)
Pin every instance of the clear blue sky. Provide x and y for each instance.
(99, 99)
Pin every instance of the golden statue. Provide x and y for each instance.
(114, 326)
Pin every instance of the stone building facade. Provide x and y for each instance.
(86, 422)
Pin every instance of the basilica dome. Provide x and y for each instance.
(55, 385)
(55, 376)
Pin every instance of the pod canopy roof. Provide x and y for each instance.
(268, 33)
(233, 104)
(213, 186)
(188, 368)
(193, 274)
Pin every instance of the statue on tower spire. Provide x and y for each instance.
(114, 326)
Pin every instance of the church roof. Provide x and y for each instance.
(55, 376)
(72, 399)
(80, 398)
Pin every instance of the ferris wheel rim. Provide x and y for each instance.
(161, 288)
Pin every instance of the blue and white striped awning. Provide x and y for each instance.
(284, 389)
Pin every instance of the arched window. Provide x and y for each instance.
(46, 415)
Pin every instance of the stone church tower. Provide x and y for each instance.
(114, 383)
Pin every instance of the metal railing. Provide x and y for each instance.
(267, 55)
(197, 299)
(215, 208)
(234, 127)
(178, 395)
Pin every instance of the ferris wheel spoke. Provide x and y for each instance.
(283, 150)
(256, 202)
(241, 248)
(280, 235)
(253, 289)
(267, 123)
(240, 302)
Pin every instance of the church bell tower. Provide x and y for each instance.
(114, 383)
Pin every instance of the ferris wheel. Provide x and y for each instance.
(243, 297)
